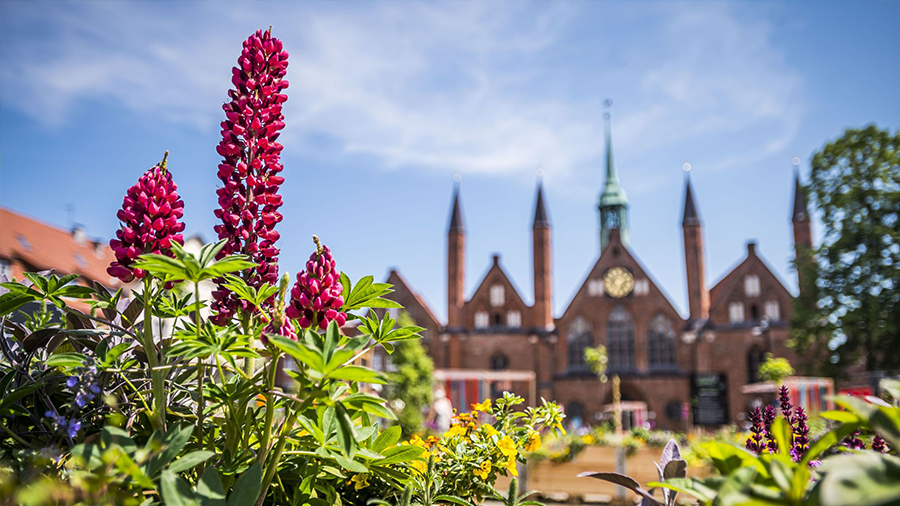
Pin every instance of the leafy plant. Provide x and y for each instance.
(670, 466)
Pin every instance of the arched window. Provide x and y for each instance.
(620, 340)
(661, 338)
(499, 362)
(755, 357)
(578, 339)
(498, 295)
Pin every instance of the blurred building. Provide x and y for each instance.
(686, 370)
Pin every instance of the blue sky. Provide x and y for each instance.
(389, 99)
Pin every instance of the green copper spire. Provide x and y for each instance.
(613, 204)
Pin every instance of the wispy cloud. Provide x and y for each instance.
(470, 87)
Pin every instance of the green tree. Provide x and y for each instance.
(775, 369)
(411, 383)
(852, 312)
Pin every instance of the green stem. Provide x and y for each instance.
(270, 409)
(15, 436)
(201, 404)
(248, 361)
(157, 377)
(276, 456)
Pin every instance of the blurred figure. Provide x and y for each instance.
(441, 412)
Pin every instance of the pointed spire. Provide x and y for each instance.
(541, 218)
(691, 217)
(800, 212)
(613, 194)
(456, 221)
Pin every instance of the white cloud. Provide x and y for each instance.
(461, 87)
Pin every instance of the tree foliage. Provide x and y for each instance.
(852, 313)
(411, 383)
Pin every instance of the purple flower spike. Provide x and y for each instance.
(879, 445)
(801, 435)
(150, 215)
(316, 297)
(249, 199)
(784, 402)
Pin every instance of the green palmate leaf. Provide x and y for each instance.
(357, 373)
(11, 301)
(209, 488)
(388, 437)
(227, 265)
(209, 251)
(865, 478)
(301, 352)
(346, 430)
(190, 460)
(247, 488)
(176, 491)
(367, 294)
(350, 464)
(162, 266)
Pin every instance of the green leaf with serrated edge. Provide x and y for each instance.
(247, 488)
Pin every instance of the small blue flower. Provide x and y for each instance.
(95, 388)
(72, 381)
(74, 427)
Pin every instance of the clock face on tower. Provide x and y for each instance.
(618, 282)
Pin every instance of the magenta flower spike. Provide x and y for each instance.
(316, 296)
(279, 324)
(251, 162)
(150, 216)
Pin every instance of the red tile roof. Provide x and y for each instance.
(44, 246)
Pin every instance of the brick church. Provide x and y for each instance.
(656, 351)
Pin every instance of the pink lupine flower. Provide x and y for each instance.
(150, 216)
(249, 199)
(279, 324)
(316, 297)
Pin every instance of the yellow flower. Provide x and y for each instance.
(534, 442)
(588, 439)
(456, 430)
(507, 446)
(483, 471)
(511, 466)
(360, 481)
(489, 430)
(417, 441)
(484, 406)
(419, 465)
(560, 427)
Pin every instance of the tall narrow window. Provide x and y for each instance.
(751, 285)
(661, 338)
(773, 311)
(499, 362)
(736, 312)
(498, 295)
(578, 339)
(514, 319)
(755, 357)
(481, 319)
(620, 340)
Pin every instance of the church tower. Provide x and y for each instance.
(456, 263)
(540, 233)
(802, 235)
(613, 204)
(694, 257)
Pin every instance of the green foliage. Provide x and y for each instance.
(598, 360)
(411, 383)
(775, 369)
(513, 498)
(852, 311)
(670, 467)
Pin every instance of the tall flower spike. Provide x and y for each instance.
(801, 435)
(316, 297)
(279, 324)
(150, 216)
(249, 199)
(784, 402)
(755, 442)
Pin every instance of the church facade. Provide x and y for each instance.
(663, 359)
